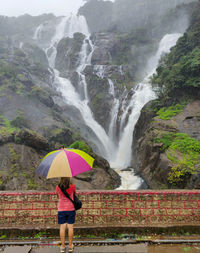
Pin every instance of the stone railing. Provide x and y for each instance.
(143, 208)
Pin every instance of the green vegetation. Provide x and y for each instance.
(20, 121)
(166, 113)
(8, 70)
(31, 184)
(166, 140)
(42, 93)
(15, 157)
(23, 237)
(3, 237)
(6, 128)
(97, 100)
(11, 78)
(184, 153)
(180, 69)
(81, 145)
(39, 235)
(183, 74)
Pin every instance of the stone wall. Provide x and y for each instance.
(103, 208)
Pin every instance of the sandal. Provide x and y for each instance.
(62, 250)
(71, 249)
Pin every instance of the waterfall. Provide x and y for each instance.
(100, 70)
(142, 95)
(57, 37)
(117, 152)
(114, 112)
(37, 32)
(76, 24)
(66, 28)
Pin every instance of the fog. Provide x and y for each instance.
(37, 7)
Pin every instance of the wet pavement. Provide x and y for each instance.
(139, 248)
(177, 248)
(130, 248)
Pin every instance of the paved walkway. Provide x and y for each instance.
(131, 248)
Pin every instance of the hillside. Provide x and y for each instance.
(172, 136)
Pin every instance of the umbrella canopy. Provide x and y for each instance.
(65, 163)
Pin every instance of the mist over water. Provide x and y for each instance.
(118, 152)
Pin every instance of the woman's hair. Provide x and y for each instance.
(65, 182)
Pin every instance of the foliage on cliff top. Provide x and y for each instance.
(180, 69)
(81, 145)
(166, 113)
(184, 153)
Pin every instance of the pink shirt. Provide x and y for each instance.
(64, 204)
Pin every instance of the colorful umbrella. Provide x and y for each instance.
(65, 163)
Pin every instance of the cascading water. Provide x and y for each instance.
(37, 32)
(71, 97)
(143, 94)
(53, 44)
(114, 112)
(118, 154)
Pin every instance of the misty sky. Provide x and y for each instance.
(37, 7)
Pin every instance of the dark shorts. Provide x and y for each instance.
(66, 217)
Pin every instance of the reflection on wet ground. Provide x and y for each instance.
(177, 248)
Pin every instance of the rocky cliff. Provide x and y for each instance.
(167, 135)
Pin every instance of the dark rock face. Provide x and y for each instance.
(98, 92)
(98, 14)
(18, 168)
(59, 136)
(103, 42)
(188, 122)
(32, 139)
(68, 51)
(149, 160)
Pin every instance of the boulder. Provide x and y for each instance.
(97, 179)
(68, 50)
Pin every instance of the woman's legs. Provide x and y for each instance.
(62, 234)
(70, 233)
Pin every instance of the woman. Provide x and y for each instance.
(66, 212)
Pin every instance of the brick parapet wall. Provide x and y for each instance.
(103, 208)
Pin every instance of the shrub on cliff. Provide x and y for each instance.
(184, 153)
(81, 145)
